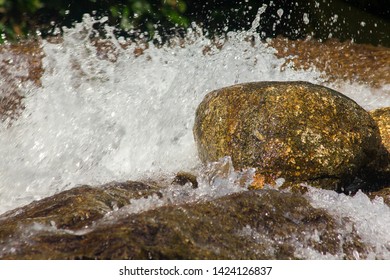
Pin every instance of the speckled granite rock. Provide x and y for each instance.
(296, 130)
(382, 118)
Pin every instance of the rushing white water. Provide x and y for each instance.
(95, 120)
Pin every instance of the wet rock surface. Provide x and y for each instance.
(76, 208)
(265, 224)
(382, 118)
(295, 130)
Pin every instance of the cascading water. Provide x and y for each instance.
(97, 120)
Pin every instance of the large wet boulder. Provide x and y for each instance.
(295, 130)
(96, 223)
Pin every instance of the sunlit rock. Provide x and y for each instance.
(382, 118)
(295, 130)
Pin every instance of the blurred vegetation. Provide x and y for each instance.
(19, 18)
(361, 20)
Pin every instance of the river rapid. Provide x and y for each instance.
(111, 115)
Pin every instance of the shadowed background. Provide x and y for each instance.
(358, 20)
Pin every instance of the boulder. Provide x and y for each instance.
(295, 130)
(76, 208)
(83, 223)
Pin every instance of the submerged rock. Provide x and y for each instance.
(295, 130)
(263, 224)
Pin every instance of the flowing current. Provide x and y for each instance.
(124, 117)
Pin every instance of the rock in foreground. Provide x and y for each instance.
(295, 130)
(95, 223)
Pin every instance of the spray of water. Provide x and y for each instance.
(94, 120)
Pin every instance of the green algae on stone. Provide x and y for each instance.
(295, 130)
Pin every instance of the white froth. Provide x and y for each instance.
(371, 218)
(215, 180)
(95, 121)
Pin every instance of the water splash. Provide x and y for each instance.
(371, 218)
(216, 179)
(114, 116)
(96, 120)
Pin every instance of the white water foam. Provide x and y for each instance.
(371, 218)
(216, 179)
(95, 121)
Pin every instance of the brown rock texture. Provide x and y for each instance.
(382, 118)
(83, 224)
(338, 60)
(295, 130)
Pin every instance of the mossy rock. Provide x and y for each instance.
(295, 130)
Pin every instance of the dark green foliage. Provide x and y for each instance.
(363, 21)
(24, 17)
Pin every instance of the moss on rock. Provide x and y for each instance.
(296, 130)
